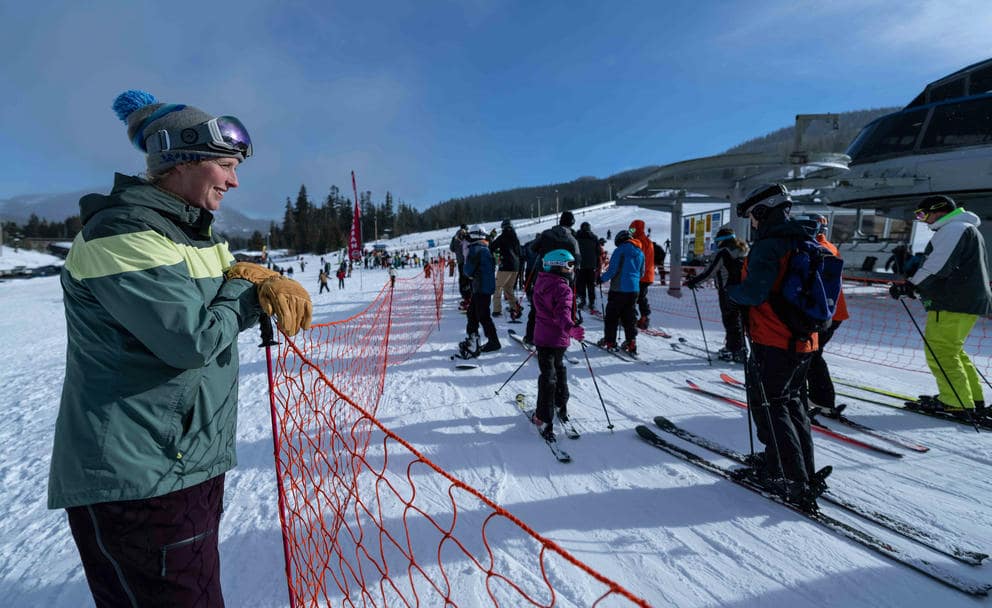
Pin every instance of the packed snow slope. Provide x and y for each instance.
(668, 531)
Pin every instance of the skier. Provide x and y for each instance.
(341, 274)
(726, 268)
(624, 274)
(819, 386)
(482, 281)
(953, 283)
(585, 277)
(322, 279)
(647, 276)
(507, 248)
(553, 330)
(147, 423)
(777, 370)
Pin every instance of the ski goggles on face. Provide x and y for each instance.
(222, 134)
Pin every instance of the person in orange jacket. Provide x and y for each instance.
(638, 234)
(820, 394)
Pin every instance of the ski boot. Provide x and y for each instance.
(724, 354)
(544, 429)
(562, 414)
(516, 311)
(606, 344)
(818, 482)
(642, 323)
(801, 495)
(629, 346)
(739, 356)
(491, 346)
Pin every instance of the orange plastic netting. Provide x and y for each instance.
(879, 330)
(370, 521)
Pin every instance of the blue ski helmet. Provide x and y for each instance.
(558, 258)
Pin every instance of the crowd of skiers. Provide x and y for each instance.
(562, 271)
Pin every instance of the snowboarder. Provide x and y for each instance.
(553, 330)
(624, 274)
(481, 273)
(726, 270)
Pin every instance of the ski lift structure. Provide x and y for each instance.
(940, 143)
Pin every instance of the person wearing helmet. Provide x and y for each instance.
(638, 234)
(778, 364)
(725, 267)
(820, 393)
(480, 269)
(554, 328)
(585, 275)
(624, 275)
(506, 247)
(953, 283)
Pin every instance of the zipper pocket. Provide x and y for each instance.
(182, 543)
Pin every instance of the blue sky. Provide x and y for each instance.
(432, 100)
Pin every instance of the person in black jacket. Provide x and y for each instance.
(507, 247)
(556, 237)
(585, 277)
(726, 267)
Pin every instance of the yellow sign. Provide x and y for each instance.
(700, 232)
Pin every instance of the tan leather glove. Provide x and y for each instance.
(250, 272)
(288, 301)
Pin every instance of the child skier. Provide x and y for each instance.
(727, 264)
(553, 329)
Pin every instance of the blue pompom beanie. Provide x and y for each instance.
(145, 116)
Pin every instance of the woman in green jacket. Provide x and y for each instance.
(154, 304)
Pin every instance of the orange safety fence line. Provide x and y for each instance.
(363, 520)
(878, 330)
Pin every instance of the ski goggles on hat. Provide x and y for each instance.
(921, 214)
(222, 134)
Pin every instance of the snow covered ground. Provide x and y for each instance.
(666, 530)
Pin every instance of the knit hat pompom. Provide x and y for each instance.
(131, 100)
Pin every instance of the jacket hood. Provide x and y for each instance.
(130, 190)
(958, 215)
(638, 226)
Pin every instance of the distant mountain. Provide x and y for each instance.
(818, 137)
(57, 207)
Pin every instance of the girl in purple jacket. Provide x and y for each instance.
(553, 330)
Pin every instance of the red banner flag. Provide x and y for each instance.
(355, 242)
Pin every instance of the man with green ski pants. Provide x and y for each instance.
(953, 283)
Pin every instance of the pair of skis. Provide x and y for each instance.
(852, 532)
(569, 428)
(816, 427)
(910, 404)
(867, 430)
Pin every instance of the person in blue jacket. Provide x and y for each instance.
(480, 268)
(624, 277)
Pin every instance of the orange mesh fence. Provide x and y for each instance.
(370, 521)
(878, 332)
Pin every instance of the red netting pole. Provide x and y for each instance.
(268, 340)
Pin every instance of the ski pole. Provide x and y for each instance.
(701, 330)
(926, 342)
(515, 372)
(609, 424)
(602, 305)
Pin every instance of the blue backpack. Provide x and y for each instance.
(809, 291)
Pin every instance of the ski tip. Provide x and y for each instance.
(681, 339)
(691, 383)
(663, 422)
(645, 432)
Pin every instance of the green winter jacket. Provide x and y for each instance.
(149, 403)
(954, 276)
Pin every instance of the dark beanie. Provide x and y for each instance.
(145, 116)
(567, 219)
